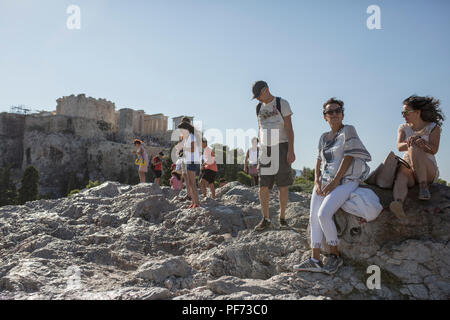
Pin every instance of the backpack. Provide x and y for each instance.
(278, 103)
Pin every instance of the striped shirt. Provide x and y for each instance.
(331, 153)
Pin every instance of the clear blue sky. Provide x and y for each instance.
(200, 57)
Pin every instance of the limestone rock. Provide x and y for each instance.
(139, 242)
(160, 270)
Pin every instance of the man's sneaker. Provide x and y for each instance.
(263, 225)
(309, 265)
(283, 223)
(333, 264)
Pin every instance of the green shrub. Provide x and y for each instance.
(244, 178)
(29, 188)
(302, 184)
(92, 184)
(295, 188)
(8, 193)
(71, 193)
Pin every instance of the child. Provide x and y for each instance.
(209, 170)
(175, 181)
(222, 182)
(157, 166)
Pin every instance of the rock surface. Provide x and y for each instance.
(139, 242)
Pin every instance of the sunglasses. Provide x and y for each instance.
(405, 112)
(333, 111)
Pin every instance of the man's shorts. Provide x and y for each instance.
(209, 176)
(193, 167)
(283, 176)
(158, 173)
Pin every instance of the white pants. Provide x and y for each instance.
(322, 210)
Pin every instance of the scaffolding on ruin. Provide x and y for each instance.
(21, 109)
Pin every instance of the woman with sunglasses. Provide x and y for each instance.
(419, 138)
(340, 167)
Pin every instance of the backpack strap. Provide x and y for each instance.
(278, 102)
(258, 108)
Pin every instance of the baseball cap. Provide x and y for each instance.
(257, 87)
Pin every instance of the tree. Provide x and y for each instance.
(441, 181)
(244, 178)
(29, 188)
(308, 174)
(167, 168)
(8, 192)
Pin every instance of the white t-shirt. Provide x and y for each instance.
(191, 157)
(178, 164)
(252, 156)
(270, 120)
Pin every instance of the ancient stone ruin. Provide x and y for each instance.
(85, 137)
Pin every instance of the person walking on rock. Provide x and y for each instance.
(191, 151)
(276, 136)
(209, 170)
(251, 161)
(340, 167)
(157, 166)
(142, 159)
(419, 138)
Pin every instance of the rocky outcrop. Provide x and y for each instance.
(139, 242)
(416, 250)
(61, 147)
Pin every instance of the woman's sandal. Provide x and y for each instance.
(396, 208)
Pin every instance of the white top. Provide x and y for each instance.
(252, 156)
(331, 153)
(271, 122)
(178, 164)
(425, 134)
(191, 157)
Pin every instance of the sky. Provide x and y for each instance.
(201, 57)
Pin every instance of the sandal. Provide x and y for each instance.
(396, 208)
(424, 193)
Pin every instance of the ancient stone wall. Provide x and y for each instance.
(125, 121)
(11, 139)
(87, 107)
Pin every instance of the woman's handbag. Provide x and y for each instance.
(384, 174)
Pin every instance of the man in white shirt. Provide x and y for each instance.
(277, 150)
